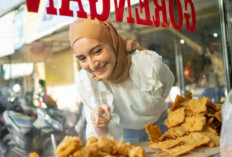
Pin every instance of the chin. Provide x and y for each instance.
(103, 77)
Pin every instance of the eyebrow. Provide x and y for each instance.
(91, 49)
(94, 47)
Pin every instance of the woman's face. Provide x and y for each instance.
(96, 57)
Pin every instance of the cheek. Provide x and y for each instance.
(84, 65)
(111, 56)
(112, 59)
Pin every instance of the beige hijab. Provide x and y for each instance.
(106, 32)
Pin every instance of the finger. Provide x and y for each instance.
(97, 119)
(106, 109)
(101, 121)
(99, 110)
(107, 118)
(108, 113)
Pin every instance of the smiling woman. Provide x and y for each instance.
(122, 85)
(107, 36)
(97, 57)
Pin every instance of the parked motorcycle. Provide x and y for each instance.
(27, 135)
(30, 128)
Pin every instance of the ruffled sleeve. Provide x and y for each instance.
(150, 74)
(94, 93)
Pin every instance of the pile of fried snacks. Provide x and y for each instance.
(102, 147)
(191, 123)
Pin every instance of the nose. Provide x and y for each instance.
(92, 64)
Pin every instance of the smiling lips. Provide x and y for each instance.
(100, 70)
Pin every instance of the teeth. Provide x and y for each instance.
(100, 69)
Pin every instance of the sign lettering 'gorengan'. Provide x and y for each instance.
(186, 13)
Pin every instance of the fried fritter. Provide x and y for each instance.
(214, 138)
(188, 96)
(105, 144)
(177, 103)
(102, 147)
(137, 152)
(154, 132)
(218, 115)
(197, 107)
(195, 123)
(183, 144)
(191, 123)
(173, 133)
(33, 154)
(167, 143)
(175, 118)
(91, 140)
(68, 146)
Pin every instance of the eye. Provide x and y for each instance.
(97, 51)
(81, 58)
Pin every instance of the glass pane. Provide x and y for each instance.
(196, 58)
(42, 72)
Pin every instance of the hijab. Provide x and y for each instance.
(107, 33)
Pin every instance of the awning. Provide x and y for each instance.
(7, 34)
(17, 70)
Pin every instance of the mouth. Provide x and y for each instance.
(100, 70)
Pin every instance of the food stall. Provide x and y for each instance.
(192, 36)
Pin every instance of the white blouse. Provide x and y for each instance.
(135, 102)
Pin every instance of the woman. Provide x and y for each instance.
(123, 86)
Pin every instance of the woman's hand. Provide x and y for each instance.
(101, 116)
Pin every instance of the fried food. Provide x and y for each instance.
(154, 132)
(33, 154)
(90, 151)
(195, 123)
(197, 107)
(167, 143)
(173, 133)
(188, 96)
(177, 103)
(105, 144)
(136, 152)
(218, 115)
(183, 144)
(123, 148)
(175, 118)
(102, 147)
(214, 138)
(68, 146)
(191, 123)
(212, 106)
(218, 107)
(91, 140)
